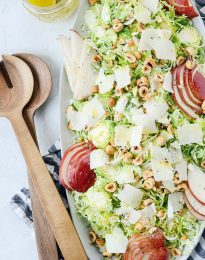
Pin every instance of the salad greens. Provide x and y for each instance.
(98, 205)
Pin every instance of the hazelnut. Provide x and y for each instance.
(143, 81)
(143, 91)
(130, 57)
(131, 43)
(150, 62)
(149, 183)
(92, 237)
(190, 64)
(95, 89)
(111, 102)
(97, 58)
(152, 230)
(119, 91)
(92, 2)
(160, 140)
(184, 237)
(133, 66)
(180, 60)
(100, 242)
(127, 157)
(138, 55)
(138, 160)
(111, 187)
(118, 27)
(203, 164)
(110, 149)
(159, 78)
(148, 97)
(116, 21)
(107, 254)
(176, 252)
(170, 129)
(146, 69)
(161, 214)
(140, 27)
(182, 186)
(147, 174)
(147, 202)
(139, 226)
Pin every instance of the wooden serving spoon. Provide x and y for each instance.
(12, 102)
(46, 243)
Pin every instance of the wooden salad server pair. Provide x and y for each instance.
(16, 89)
(46, 243)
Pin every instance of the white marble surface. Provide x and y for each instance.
(21, 32)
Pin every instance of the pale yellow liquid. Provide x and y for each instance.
(43, 3)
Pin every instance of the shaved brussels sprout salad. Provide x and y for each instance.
(149, 142)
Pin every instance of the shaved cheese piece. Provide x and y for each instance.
(116, 243)
(169, 185)
(156, 108)
(77, 120)
(130, 215)
(121, 104)
(130, 196)
(165, 49)
(148, 212)
(128, 136)
(164, 119)
(105, 82)
(161, 164)
(181, 168)
(94, 111)
(190, 133)
(176, 155)
(151, 5)
(158, 40)
(142, 14)
(150, 37)
(136, 135)
(122, 77)
(167, 84)
(175, 203)
(125, 175)
(147, 121)
(89, 116)
(86, 75)
(98, 158)
(97, 199)
(105, 14)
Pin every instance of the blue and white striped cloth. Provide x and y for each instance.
(21, 203)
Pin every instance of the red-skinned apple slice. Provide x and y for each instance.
(196, 183)
(181, 9)
(183, 107)
(65, 161)
(193, 211)
(182, 91)
(79, 174)
(198, 86)
(194, 203)
(187, 83)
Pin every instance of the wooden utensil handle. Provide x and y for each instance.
(46, 243)
(55, 211)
